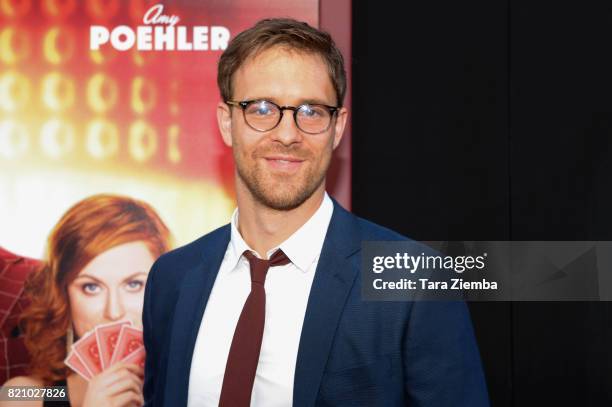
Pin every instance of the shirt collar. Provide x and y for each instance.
(303, 247)
(237, 244)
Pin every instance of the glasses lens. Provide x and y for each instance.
(313, 118)
(261, 115)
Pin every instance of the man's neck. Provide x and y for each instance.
(264, 228)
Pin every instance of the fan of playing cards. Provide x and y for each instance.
(104, 346)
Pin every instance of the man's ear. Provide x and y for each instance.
(341, 118)
(224, 121)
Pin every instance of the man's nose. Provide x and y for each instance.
(287, 131)
(114, 306)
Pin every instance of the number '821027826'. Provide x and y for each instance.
(13, 393)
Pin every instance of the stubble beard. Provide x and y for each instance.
(281, 194)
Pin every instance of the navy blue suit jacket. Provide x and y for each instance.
(351, 353)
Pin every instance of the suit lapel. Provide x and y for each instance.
(192, 298)
(332, 283)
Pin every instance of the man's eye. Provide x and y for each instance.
(307, 111)
(260, 109)
(90, 288)
(311, 111)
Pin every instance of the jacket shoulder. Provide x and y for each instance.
(369, 231)
(372, 231)
(364, 229)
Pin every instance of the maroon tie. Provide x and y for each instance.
(244, 352)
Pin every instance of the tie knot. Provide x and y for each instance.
(259, 267)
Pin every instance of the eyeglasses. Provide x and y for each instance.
(263, 115)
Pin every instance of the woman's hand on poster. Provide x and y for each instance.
(118, 386)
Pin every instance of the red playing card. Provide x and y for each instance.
(137, 357)
(130, 339)
(75, 363)
(87, 349)
(107, 336)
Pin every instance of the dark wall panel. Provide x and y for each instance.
(561, 112)
(493, 120)
(430, 141)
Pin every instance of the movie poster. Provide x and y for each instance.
(109, 156)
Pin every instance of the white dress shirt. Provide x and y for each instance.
(287, 290)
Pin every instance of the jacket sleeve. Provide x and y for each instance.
(441, 360)
(150, 378)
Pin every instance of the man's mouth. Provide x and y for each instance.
(284, 163)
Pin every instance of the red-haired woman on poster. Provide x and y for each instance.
(98, 259)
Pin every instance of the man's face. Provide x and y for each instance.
(283, 167)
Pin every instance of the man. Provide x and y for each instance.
(225, 326)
